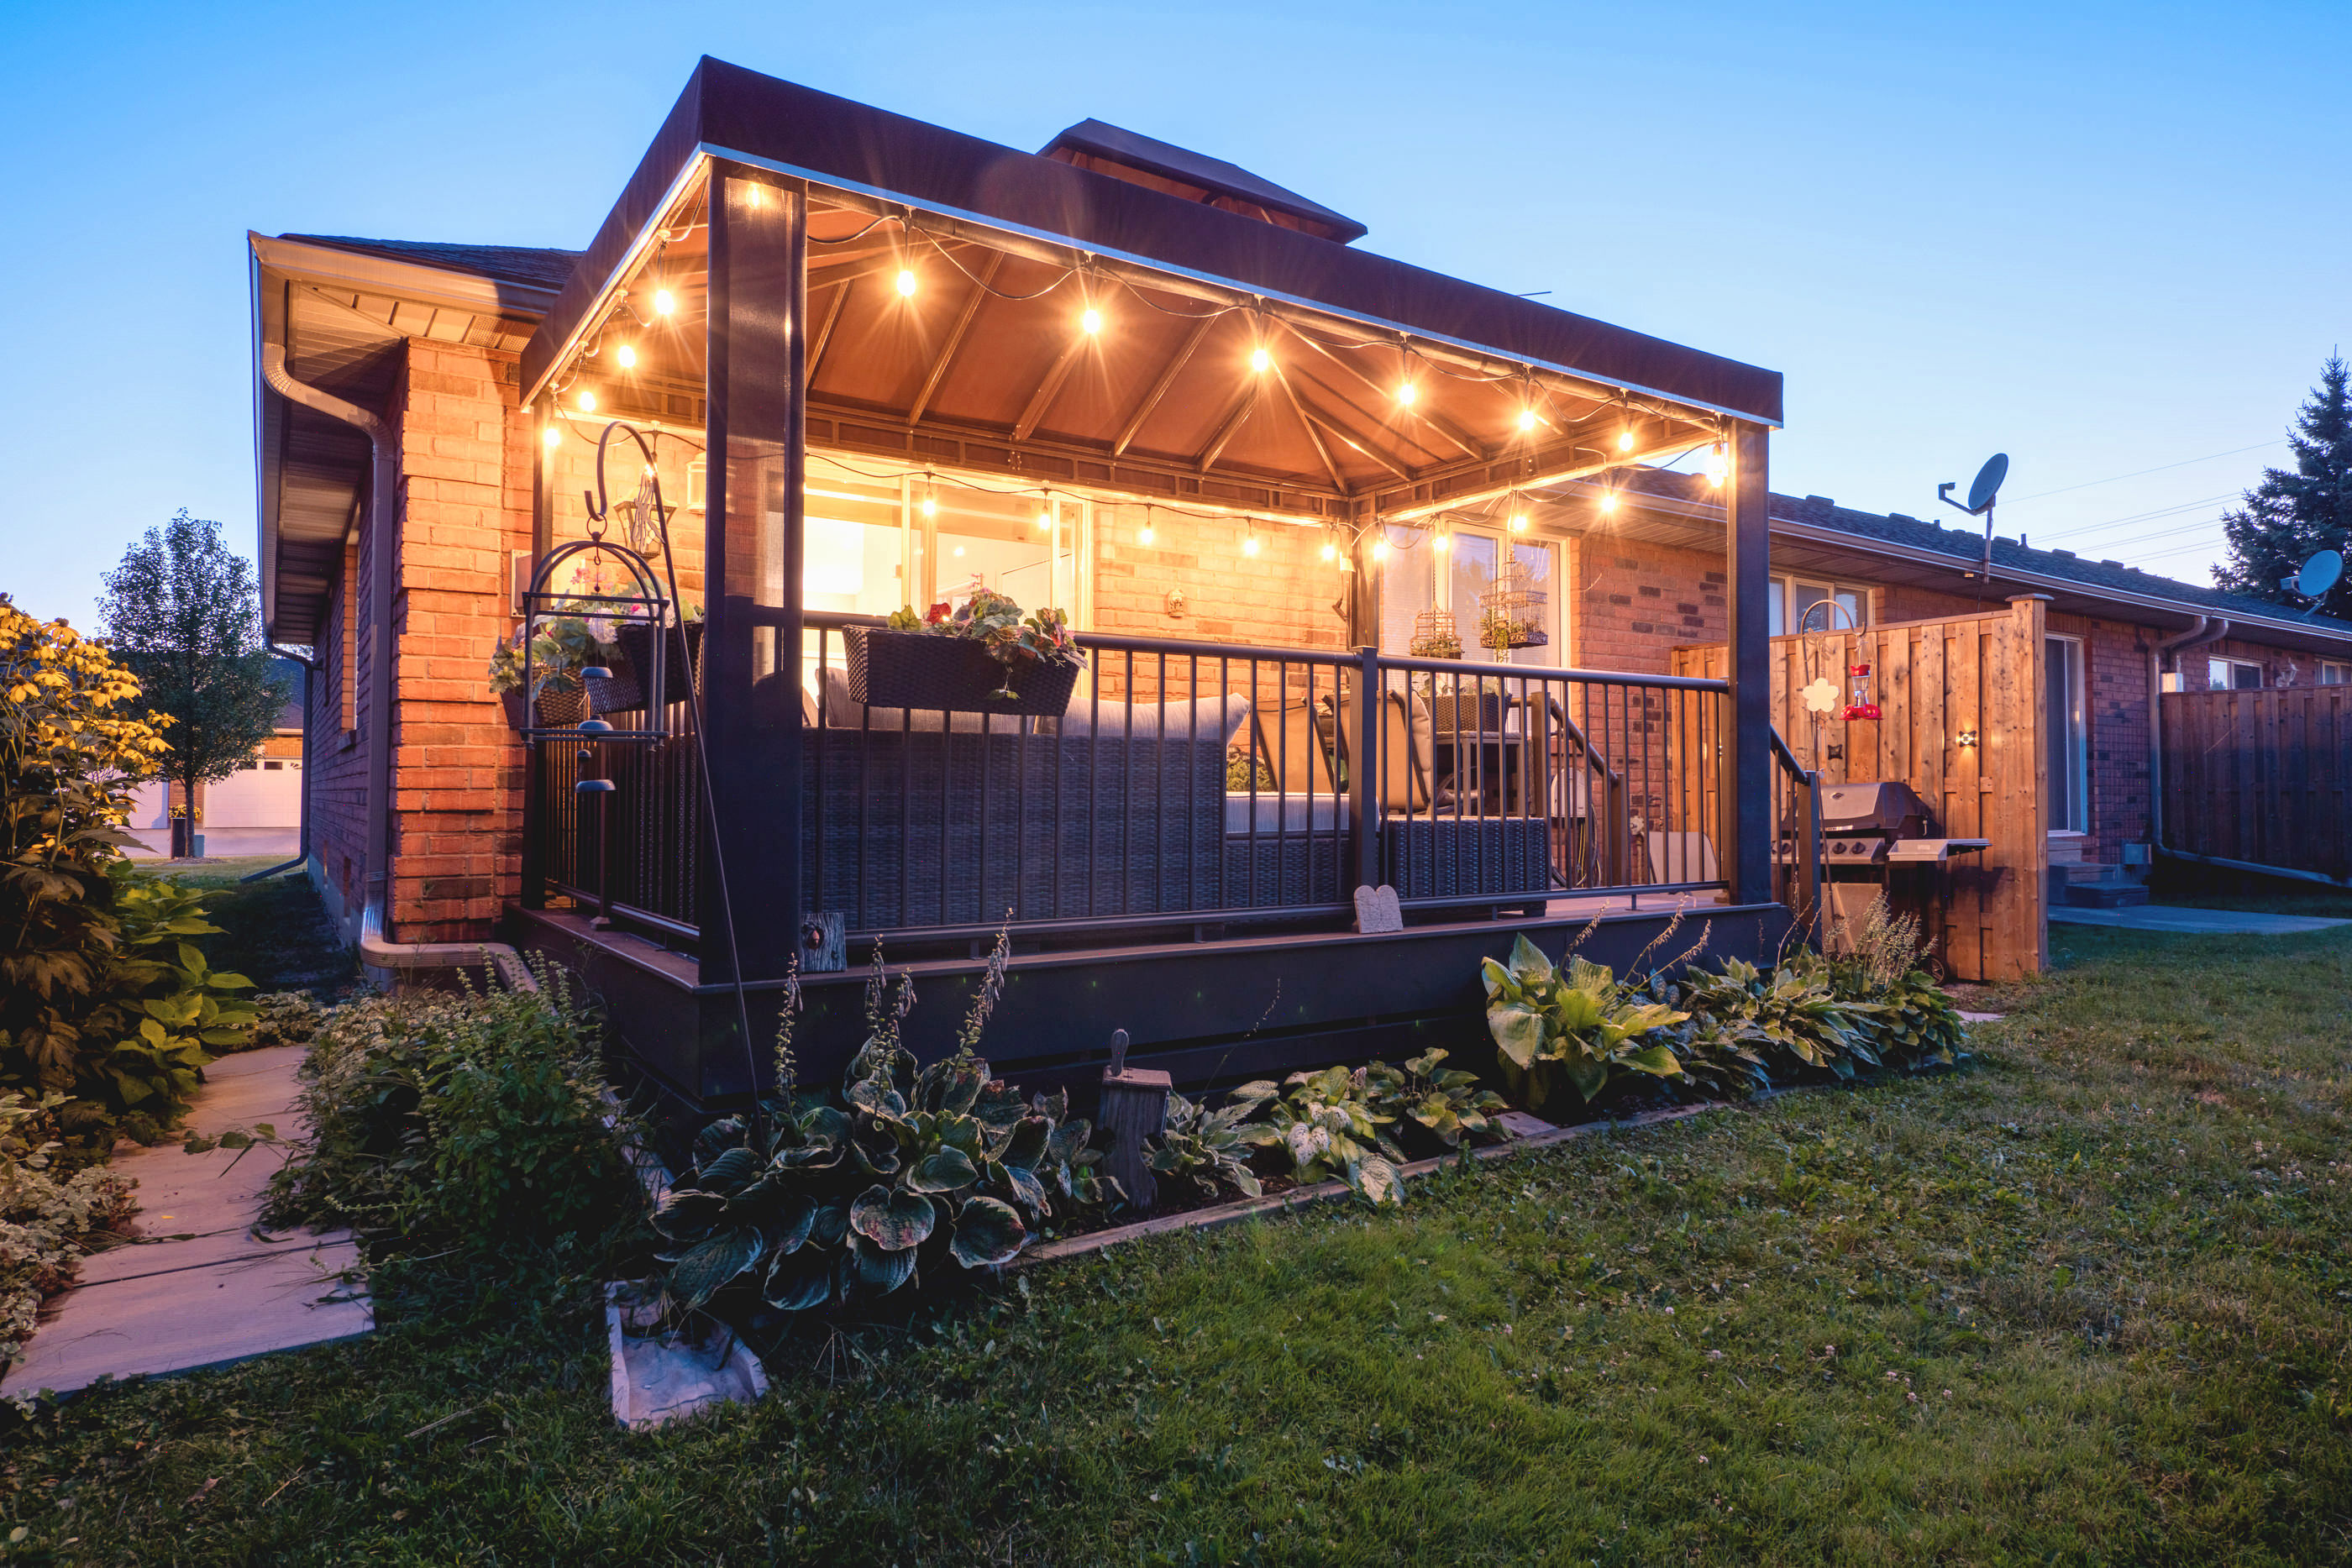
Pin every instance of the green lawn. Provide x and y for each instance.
(2087, 1301)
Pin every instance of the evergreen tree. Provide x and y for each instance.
(183, 613)
(2290, 516)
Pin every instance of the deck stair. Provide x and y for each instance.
(2087, 885)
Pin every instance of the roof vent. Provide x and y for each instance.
(1180, 171)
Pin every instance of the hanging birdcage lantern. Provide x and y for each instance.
(597, 630)
(1511, 610)
(1433, 636)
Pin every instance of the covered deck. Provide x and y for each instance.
(879, 363)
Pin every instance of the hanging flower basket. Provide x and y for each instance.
(955, 675)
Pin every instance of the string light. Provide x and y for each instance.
(627, 356)
(1527, 419)
(1406, 393)
(905, 283)
(1091, 322)
(1260, 360)
(1380, 550)
(1330, 550)
(1625, 439)
(1608, 500)
(1249, 541)
(1439, 540)
(1518, 522)
(1144, 536)
(665, 302)
(553, 437)
(1045, 520)
(1716, 466)
(587, 401)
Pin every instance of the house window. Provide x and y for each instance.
(1418, 575)
(2232, 675)
(1793, 600)
(2067, 810)
(2332, 674)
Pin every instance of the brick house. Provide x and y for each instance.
(1258, 468)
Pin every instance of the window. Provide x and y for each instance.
(2232, 675)
(2332, 674)
(1418, 575)
(2068, 806)
(1793, 598)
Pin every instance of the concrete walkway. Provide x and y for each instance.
(200, 1286)
(2192, 922)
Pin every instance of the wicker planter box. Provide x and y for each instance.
(557, 710)
(952, 674)
(625, 692)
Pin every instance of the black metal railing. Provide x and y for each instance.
(1186, 784)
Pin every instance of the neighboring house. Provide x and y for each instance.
(257, 811)
(878, 363)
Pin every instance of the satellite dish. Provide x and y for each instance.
(2320, 573)
(1988, 483)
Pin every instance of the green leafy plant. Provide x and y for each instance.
(48, 1218)
(993, 621)
(473, 1123)
(1575, 1028)
(1445, 1101)
(1332, 1125)
(183, 1011)
(1209, 1148)
(851, 1195)
(1789, 1010)
(561, 647)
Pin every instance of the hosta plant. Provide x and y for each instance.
(1329, 1125)
(1573, 1028)
(850, 1199)
(1790, 1010)
(1211, 1149)
(1908, 1020)
(1445, 1102)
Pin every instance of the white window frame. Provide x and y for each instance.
(2077, 804)
(1783, 601)
(2228, 670)
(2334, 673)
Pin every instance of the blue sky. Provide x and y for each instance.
(2104, 238)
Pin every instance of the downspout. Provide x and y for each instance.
(302, 792)
(2207, 629)
(383, 503)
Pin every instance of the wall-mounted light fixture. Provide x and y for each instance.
(1965, 737)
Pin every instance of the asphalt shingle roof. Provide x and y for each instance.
(1965, 547)
(539, 268)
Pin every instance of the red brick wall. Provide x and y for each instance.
(1630, 605)
(338, 769)
(1281, 597)
(465, 476)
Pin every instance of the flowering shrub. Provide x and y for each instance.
(993, 621)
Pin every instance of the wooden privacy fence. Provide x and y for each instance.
(1938, 685)
(2260, 776)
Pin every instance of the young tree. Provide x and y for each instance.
(183, 615)
(2290, 516)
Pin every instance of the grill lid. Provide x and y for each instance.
(1889, 807)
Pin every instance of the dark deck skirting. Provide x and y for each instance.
(1206, 1012)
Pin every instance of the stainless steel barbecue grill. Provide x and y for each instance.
(1881, 823)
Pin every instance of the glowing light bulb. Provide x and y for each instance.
(959, 550)
(905, 283)
(1380, 550)
(1518, 522)
(1407, 392)
(587, 402)
(1527, 419)
(553, 437)
(1625, 439)
(1091, 321)
(1716, 466)
(1260, 360)
(1045, 520)
(665, 302)
(1608, 500)
(627, 356)
(1439, 542)
(1144, 534)
(1249, 545)
(1331, 551)
(930, 507)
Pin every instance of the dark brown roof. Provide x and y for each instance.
(533, 267)
(1140, 151)
(730, 111)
